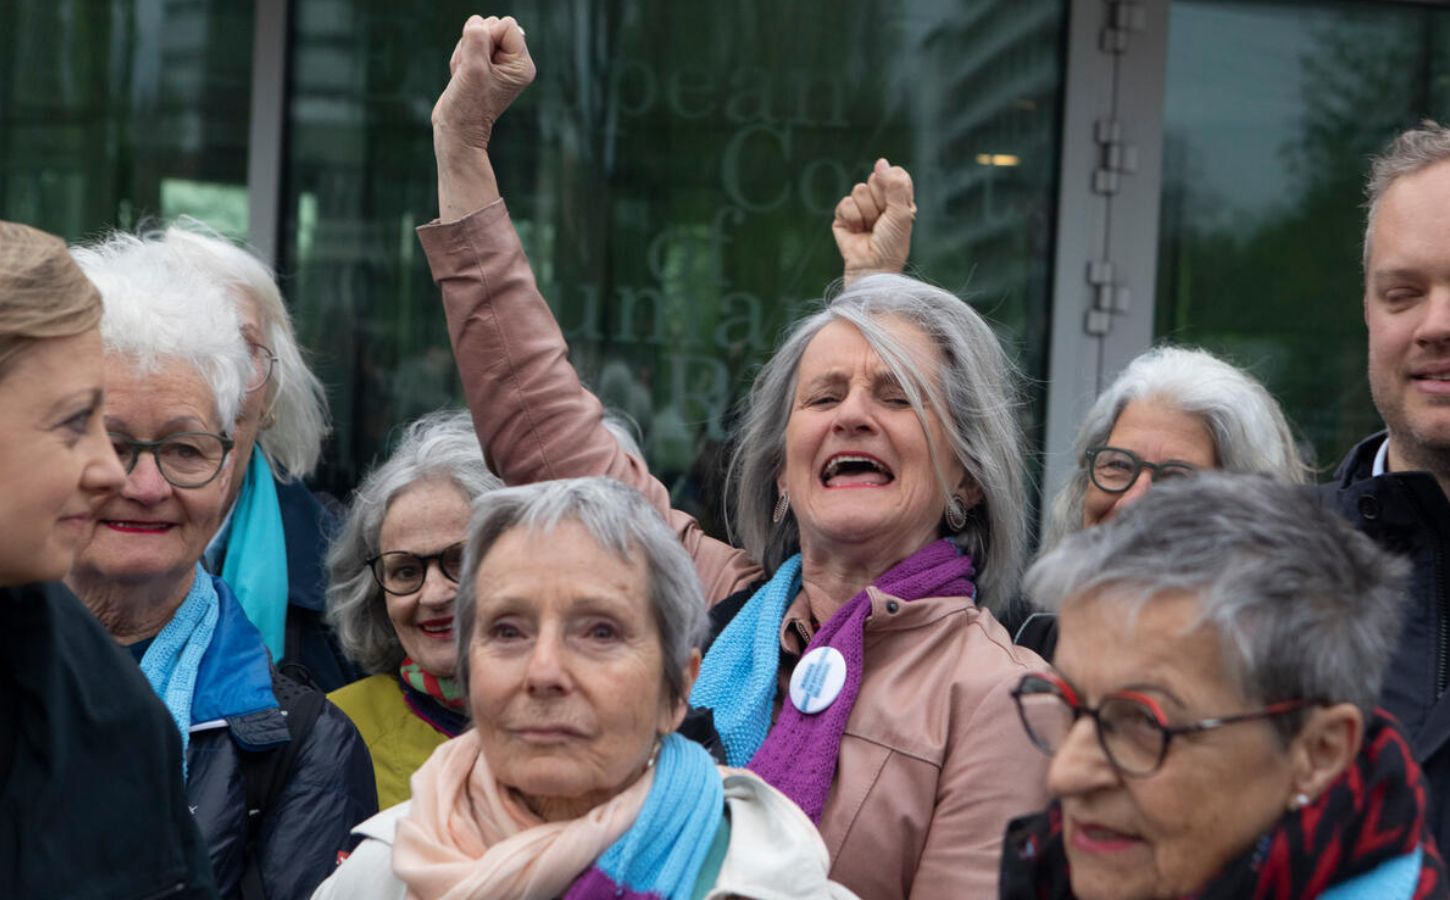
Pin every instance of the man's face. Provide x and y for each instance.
(1407, 312)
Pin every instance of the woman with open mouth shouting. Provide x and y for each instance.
(878, 498)
(394, 576)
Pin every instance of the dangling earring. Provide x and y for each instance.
(956, 513)
(782, 506)
(1298, 802)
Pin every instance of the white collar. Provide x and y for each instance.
(1381, 459)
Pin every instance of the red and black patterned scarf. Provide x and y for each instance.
(1371, 814)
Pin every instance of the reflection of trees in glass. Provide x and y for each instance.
(673, 174)
(103, 102)
(1282, 294)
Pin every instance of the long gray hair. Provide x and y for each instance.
(440, 445)
(974, 396)
(1250, 432)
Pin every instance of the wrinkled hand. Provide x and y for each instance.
(873, 223)
(490, 67)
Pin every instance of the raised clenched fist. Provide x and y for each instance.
(873, 222)
(490, 67)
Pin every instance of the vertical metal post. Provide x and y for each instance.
(1107, 211)
(267, 132)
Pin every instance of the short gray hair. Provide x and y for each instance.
(295, 398)
(976, 404)
(1250, 432)
(619, 520)
(1410, 152)
(1307, 608)
(440, 445)
(159, 308)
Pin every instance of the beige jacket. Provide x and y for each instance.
(934, 761)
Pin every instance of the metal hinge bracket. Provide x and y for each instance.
(1124, 18)
(1109, 298)
(1115, 156)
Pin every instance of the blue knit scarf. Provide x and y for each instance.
(171, 662)
(662, 853)
(738, 676)
(256, 560)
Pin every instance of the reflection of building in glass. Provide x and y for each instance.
(673, 173)
(985, 134)
(108, 110)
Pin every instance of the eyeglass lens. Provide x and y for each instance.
(401, 572)
(1128, 731)
(1116, 470)
(188, 459)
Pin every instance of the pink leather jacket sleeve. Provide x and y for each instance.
(535, 420)
(991, 775)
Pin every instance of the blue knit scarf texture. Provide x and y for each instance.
(171, 662)
(738, 676)
(256, 560)
(662, 853)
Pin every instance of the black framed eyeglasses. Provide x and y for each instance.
(1131, 727)
(263, 362)
(1114, 469)
(186, 459)
(401, 572)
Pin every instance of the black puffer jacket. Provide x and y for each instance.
(330, 787)
(91, 801)
(1407, 513)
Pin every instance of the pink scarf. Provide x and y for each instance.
(467, 836)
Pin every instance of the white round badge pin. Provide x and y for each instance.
(817, 680)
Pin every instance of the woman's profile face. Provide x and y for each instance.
(152, 528)
(1157, 432)
(859, 466)
(566, 677)
(55, 459)
(1167, 833)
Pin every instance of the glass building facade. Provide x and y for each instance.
(674, 169)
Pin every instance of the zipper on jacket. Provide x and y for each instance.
(1443, 620)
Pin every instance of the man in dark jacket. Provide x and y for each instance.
(91, 798)
(1393, 485)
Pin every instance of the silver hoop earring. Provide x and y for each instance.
(956, 513)
(782, 506)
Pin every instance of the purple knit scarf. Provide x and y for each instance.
(799, 755)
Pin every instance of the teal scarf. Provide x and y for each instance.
(256, 560)
(661, 855)
(738, 676)
(171, 662)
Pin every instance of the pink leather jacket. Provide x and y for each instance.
(933, 763)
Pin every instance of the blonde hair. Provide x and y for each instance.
(43, 293)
